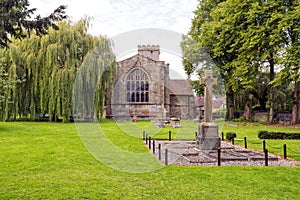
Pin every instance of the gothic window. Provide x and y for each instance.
(137, 86)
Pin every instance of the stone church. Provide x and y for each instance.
(143, 89)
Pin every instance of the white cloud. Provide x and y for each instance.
(114, 17)
(111, 17)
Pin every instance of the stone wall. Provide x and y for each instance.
(182, 106)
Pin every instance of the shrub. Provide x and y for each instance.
(263, 134)
(230, 135)
(278, 135)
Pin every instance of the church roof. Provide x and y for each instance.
(180, 87)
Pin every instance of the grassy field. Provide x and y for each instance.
(63, 161)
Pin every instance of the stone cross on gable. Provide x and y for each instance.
(209, 82)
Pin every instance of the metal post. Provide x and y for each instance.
(149, 142)
(166, 156)
(153, 146)
(222, 136)
(232, 140)
(146, 138)
(219, 156)
(169, 135)
(196, 134)
(159, 151)
(245, 142)
(266, 157)
(264, 145)
(284, 151)
(143, 135)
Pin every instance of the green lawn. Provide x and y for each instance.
(50, 161)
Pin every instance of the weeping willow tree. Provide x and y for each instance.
(94, 81)
(46, 68)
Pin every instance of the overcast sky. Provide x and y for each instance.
(115, 17)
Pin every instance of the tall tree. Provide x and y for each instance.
(244, 37)
(290, 53)
(49, 65)
(16, 20)
(198, 47)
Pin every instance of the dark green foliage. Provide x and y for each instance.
(230, 135)
(246, 40)
(278, 135)
(15, 20)
(197, 87)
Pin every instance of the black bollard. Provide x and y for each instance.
(245, 142)
(169, 135)
(196, 134)
(284, 151)
(266, 157)
(146, 138)
(143, 135)
(219, 156)
(153, 146)
(264, 145)
(232, 140)
(222, 136)
(166, 156)
(149, 142)
(159, 151)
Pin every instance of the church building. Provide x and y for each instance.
(143, 89)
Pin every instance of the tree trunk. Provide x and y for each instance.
(295, 112)
(247, 114)
(272, 74)
(108, 102)
(230, 104)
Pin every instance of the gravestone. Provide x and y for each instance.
(208, 134)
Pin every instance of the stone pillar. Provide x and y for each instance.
(208, 133)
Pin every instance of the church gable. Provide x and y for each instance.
(141, 61)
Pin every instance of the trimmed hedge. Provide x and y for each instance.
(230, 135)
(278, 135)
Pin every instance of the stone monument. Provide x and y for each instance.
(208, 134)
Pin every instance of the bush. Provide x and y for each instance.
(230, 135)
(278, 135)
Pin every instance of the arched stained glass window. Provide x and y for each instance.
(137, 86)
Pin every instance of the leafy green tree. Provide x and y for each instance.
(204, 31)
(246, 39)
(289, 58)
(16, 20)
(49, 65)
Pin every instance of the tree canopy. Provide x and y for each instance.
(16, 20)
(47, 67)
(246, 40)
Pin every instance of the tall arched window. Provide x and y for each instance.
(137, 86)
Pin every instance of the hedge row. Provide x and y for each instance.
(278, 135)
(230, 135)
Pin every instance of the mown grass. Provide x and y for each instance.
(49, 161)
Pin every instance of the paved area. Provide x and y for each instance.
(188, 153)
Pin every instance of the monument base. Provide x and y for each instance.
(208, 136)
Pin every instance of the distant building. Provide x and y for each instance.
(144, 89)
